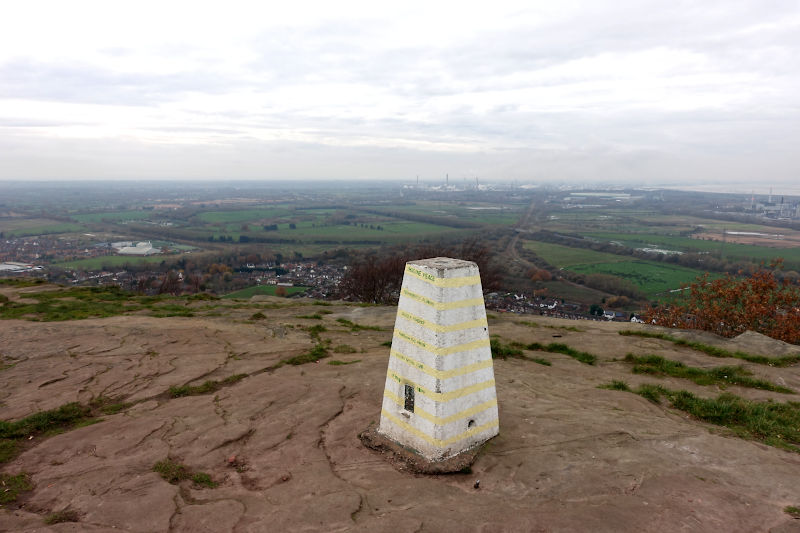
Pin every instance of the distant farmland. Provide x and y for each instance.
(651, 277)
(96, 263)
(730, 250)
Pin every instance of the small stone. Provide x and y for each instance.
(477, 484)
(232, 459)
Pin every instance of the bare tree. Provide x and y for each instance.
(377, 278)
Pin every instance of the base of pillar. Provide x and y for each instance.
(406, 459)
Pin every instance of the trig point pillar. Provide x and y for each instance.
(440, 394)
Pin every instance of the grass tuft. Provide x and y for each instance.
(174, 472)
(67, 515)
(13, 485)
(319, 351)
(344, 348)
(68, 416)
(773, 423)
(792, 511)
(203, 480)
(108, 405)
(615, 385)
(171, 471)
(722, 375)
(503, 351)
(356, 327)
(715, 351)
(558, 347)
(206, 387)
(258, 316)
(336, 362)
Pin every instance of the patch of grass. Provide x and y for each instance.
(322, 303)
(792, 511)
(115, 408)
(67, 515)
(344, 348)
(5, 366)
(503, 351)
(773, 423)
(336, 362)
(540, 361)
(565, 328)
(8, 450)
(258, 316)
(169, 309)
(108, 405)
(723, 375)
(206, 387)
(268, 290)
(202, 296)
(615, 385)
(315, 316)
(74, 303)
(319, 351)
(557, 347)
(651, 392)
(12, 486)
(388, 344)
(21, 282)
(316, 329)
(528, 323)
(67, 416)
(203, 480)
(173, 472)
(356, 327)
(714, 351)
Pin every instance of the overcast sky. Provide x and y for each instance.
(624, 91)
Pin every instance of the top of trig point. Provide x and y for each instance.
(442, 264)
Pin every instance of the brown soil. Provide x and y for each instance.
(789, 239)
(284, 446)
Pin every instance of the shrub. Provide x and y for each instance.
(67, 515)
(730, 306)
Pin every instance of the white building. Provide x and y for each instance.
(440, 396)
(141, 248)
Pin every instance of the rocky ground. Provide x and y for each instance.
(281, 444)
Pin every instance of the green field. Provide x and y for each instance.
(36, 226)
(651, 277)
(565, 256)
(266, 290)
(63, 227)
(244, 215)
(791, 256)
(393, 231)
(479, 213)
(114, 216)
(96, 263)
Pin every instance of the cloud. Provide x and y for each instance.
(632, 91)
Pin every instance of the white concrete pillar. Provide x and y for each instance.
(440, 396)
